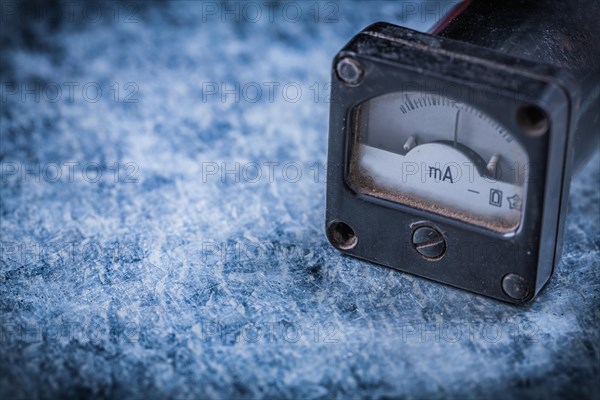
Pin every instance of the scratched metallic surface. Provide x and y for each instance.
(149, 269)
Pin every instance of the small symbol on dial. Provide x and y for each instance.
(436, 174)
(514, 202)
(496, 197)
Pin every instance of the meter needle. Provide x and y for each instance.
(456, 128)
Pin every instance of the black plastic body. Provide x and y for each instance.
(560, 33)
(398, 59)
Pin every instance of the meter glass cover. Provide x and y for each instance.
(434, 153)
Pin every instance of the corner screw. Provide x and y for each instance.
(350, 71)
(515, 286)
(429, 242)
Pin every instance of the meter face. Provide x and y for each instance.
(430, 152)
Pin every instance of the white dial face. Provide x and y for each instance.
(430, 152)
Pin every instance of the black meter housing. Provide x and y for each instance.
(529, 67)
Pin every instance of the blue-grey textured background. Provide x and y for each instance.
(163, 278)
